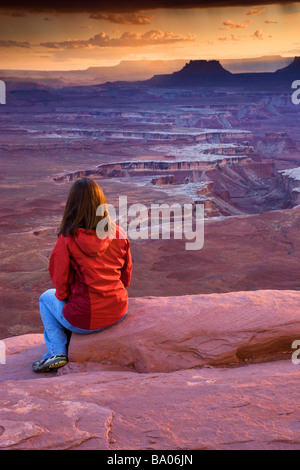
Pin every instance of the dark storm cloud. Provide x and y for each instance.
(90, 6)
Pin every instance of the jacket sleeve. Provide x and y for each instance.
(127, 268)
(60, 267)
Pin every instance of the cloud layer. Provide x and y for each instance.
(255, 11)
(150, 38)
(229, 24)
(7, 44)
(120, 6)
(135, 18)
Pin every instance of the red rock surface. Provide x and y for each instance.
(173, 333)
(253, 407)
(104, 406)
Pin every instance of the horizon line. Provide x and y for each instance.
(146, 60)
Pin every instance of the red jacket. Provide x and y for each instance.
(91, 275)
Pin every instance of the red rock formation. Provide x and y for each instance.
(169, 179)
(290, 180)
(206, 190)
(215, 330)
(108, 405)
(265, 169)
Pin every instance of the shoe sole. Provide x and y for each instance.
(53, 367)
(58, 365)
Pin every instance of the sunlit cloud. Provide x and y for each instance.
(22, 44)
(127, 39)
(259, 35)
(232, 37)
(229, 24)
(255, 11)
(136, 18)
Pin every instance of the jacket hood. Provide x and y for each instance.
(89, 243)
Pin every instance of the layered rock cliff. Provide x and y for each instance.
(291, 182)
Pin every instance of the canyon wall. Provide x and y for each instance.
(290, 180)
(148, 167)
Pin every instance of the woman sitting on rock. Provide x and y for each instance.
(90, 268)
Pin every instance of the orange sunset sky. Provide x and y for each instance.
(50, 38)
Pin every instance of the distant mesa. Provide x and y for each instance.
(291, 69)
(202, 67)
(194, 73)
(212, 73)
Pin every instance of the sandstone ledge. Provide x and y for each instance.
(164, 334)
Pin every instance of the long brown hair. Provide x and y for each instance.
(84, 198)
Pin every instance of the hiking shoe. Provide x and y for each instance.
(50, 364)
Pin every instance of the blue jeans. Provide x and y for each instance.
(57, 329)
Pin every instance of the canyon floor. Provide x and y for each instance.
(223, 149)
